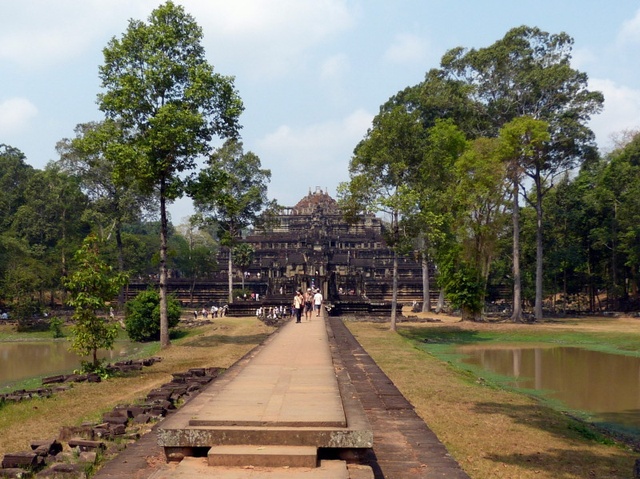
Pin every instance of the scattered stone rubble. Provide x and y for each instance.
(74, 453)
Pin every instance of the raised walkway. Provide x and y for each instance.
(308, 402)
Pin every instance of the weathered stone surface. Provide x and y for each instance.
(15, 473)
(118, 429)
(85, 445)
(142, 419)
(22, 459)
(114, 418)
(68, 432)
(63, 471)
(53, 379)
(51, 446)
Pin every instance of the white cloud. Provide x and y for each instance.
(324, 149)
(407, 49)
(334, 67)
(582, 58)
(621, 111)
(15, 115)
(270, 37)
(36, 35)
(630, 31)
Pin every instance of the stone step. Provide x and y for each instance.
(263, 456)
(197, 467)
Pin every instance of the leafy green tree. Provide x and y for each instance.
(50, 222)
(197, 251)
(91, 284)
(91, 157)
(230, 193)
(14, 177)
(170, 105)
(432, 183)
(380, 172)
(528, 73)
(243, 257)
(523, 143)
(142, 316)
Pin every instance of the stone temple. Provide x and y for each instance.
(312, 245)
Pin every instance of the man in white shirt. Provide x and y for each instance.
(317, 302)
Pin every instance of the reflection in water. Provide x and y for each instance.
(607, 385)
(22, 360)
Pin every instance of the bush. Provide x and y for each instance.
(142, 316)
(55, 326)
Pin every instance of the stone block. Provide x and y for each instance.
(111, 418)
(53, 379)
(68, 432)
(64, 471)
(85, 445)
(22, 459)
(51, 446)
(15, 473)
(117, 429)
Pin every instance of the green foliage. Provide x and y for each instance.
(241, 292)
(169, 103)
(462, 283)
(142, 316)
(55, 326)
(92, 284)
(243, 256)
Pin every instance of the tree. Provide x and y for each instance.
(170, 104)
(142, 316)
(230, 193)
(50, 221)
(14, 176)
(522, 143)
(528, 73)
(380, 172)
(196, 256)
(91, 156)
(243, 257)
(432, 182)
(92, 284)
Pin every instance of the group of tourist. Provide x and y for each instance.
(215, 312)
(309, 301)
(274, 312)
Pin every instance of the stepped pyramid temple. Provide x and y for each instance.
(311, 245)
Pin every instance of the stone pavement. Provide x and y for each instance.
(270, 397)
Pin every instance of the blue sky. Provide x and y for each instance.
(312, 73)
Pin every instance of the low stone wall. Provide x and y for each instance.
(77, 449)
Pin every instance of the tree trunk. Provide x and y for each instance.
(539, 292)
(164, 322)
(440, 305)
(426, 297)
(394, 298)
(517, 286)
(230, 277)
(469, 315)
(120, 248)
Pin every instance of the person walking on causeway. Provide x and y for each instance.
(298, 304)
(308, 304)
(317, 302)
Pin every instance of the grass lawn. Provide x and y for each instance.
(217, 345)
(494, 432)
